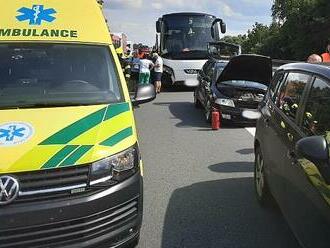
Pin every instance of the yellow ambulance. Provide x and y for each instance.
(70, 168)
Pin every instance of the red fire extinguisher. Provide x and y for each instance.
(216, 119)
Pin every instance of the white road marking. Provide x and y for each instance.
(251, 130)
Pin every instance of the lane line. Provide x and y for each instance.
(251, 130)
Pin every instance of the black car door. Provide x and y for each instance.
(307, 195)
(284, 131)
(201, 79)
(206, 83)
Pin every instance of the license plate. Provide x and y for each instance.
(227, 117)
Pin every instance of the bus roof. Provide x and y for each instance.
(188, 14)
(49, 20)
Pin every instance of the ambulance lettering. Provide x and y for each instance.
(64, 33)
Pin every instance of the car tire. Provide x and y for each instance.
(263, 194)
(197, 103)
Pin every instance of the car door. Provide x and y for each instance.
(206, 83)
(307, 195)
(208, 91)
(284, 131)
(266, 131)
(201, 79)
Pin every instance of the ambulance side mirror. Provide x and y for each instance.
(144, 93)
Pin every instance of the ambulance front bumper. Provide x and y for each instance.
(108, 218)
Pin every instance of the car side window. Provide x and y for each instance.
(276, 82)
(290, 93)
(316, 119)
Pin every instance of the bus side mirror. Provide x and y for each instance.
(223, 27)
(159, 26)
(218, 27)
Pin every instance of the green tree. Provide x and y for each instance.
(299, 28)
(304, 27)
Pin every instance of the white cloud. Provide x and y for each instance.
(157, 6)
(126, 4)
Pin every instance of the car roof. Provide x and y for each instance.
(322, 69)
(216, 60)
(222, 61)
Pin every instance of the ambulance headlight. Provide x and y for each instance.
(115, 168)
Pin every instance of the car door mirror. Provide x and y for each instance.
(144, 93)
(316, 150)
(223, 50)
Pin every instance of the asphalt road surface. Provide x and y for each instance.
(198, 183)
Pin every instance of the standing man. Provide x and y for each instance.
(158, 69)
(326, 55)
(145, 66)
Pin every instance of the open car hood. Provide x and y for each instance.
(255, 68)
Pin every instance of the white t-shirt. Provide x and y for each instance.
(145, 65)
(159, 65)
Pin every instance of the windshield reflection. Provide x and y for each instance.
(56, 75)
(187, 36)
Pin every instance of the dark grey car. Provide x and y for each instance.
(292, 143)
(292, 153)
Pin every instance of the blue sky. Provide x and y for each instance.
(137, 18)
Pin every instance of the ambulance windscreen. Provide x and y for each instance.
(57, 75)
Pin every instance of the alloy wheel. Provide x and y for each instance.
(259, 175)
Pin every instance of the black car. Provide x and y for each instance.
(229, 97)
(292, 146)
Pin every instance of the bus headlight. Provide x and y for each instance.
(116, 168)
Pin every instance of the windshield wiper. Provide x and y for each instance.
(42, 105)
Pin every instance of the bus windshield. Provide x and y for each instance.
(186, 36)
(50, 75)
